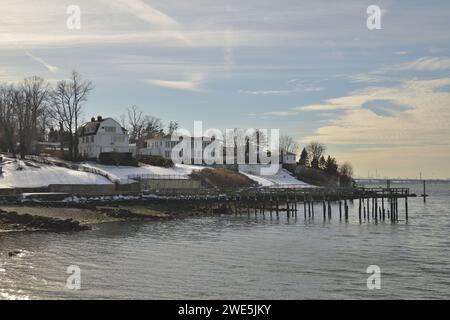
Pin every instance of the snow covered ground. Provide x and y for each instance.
(282, 179)
(121, 173)
(40, 175)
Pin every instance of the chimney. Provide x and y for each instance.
(99, 118)
(92, 119)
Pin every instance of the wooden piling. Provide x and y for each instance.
(406, 208)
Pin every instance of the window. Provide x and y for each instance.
(110, 129)
(118, 138)
(92, 138)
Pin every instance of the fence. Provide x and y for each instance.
(139, 177)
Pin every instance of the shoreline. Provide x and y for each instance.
(77, 217)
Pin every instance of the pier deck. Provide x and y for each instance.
(373, 203)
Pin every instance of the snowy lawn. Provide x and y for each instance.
(40, 175)
(121, 173)
(282, 179)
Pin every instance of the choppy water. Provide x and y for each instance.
(233, 257)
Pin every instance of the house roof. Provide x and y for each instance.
(93, 127)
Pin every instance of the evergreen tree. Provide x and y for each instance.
(304, 161)
(322, 163)
(331, 166)
(315, 163)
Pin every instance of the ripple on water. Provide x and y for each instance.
(232, 257)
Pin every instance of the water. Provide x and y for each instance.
(234, 257)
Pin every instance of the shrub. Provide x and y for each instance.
(315, 176)
(156, 161)
(222, 178)
(117, 159)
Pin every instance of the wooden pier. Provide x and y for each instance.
(374, 204)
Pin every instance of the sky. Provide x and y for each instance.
(379, 99)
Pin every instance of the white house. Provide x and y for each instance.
(162, 146)
(102, 135)
(288, 158)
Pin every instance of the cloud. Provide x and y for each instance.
(265, 92)
(427, 64)
(417, 122)
(144, 12)
(147, 13)
(279, 113)
(43, 62)
(193, 83)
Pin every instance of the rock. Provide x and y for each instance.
(27, 221)
(14, 253)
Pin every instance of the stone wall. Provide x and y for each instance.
(170, 184)
(84, 189)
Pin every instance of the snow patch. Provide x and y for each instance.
(17, 174)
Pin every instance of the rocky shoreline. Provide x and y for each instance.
(63, 217)
(13, 221)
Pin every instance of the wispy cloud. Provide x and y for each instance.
(143, 11)
(265, 92)
(398, 71)
(193, 83)
(427, 64)
(149, 14)
(280, 113)
(421, 123)
(48, 66)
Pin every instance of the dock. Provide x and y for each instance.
(378, 204)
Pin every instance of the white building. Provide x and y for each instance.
(163, 145)
(288, 158)
(102, 135)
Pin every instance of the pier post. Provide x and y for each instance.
(309, 208)
(359, 210)
(424, 192)
(406, 208)
(346, 209)
(277, 208)
(368, 208)
(304, 205)
(329, 210)
(324, 210)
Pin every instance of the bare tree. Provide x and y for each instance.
(135, 124)
(142, 126)
(346, 170)
(153, 127)
(346, 174)
(288, 144)
(173, 127)
(316, 149)
(7, 118)
(36, 92)
(67, 103)
(23, 120)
